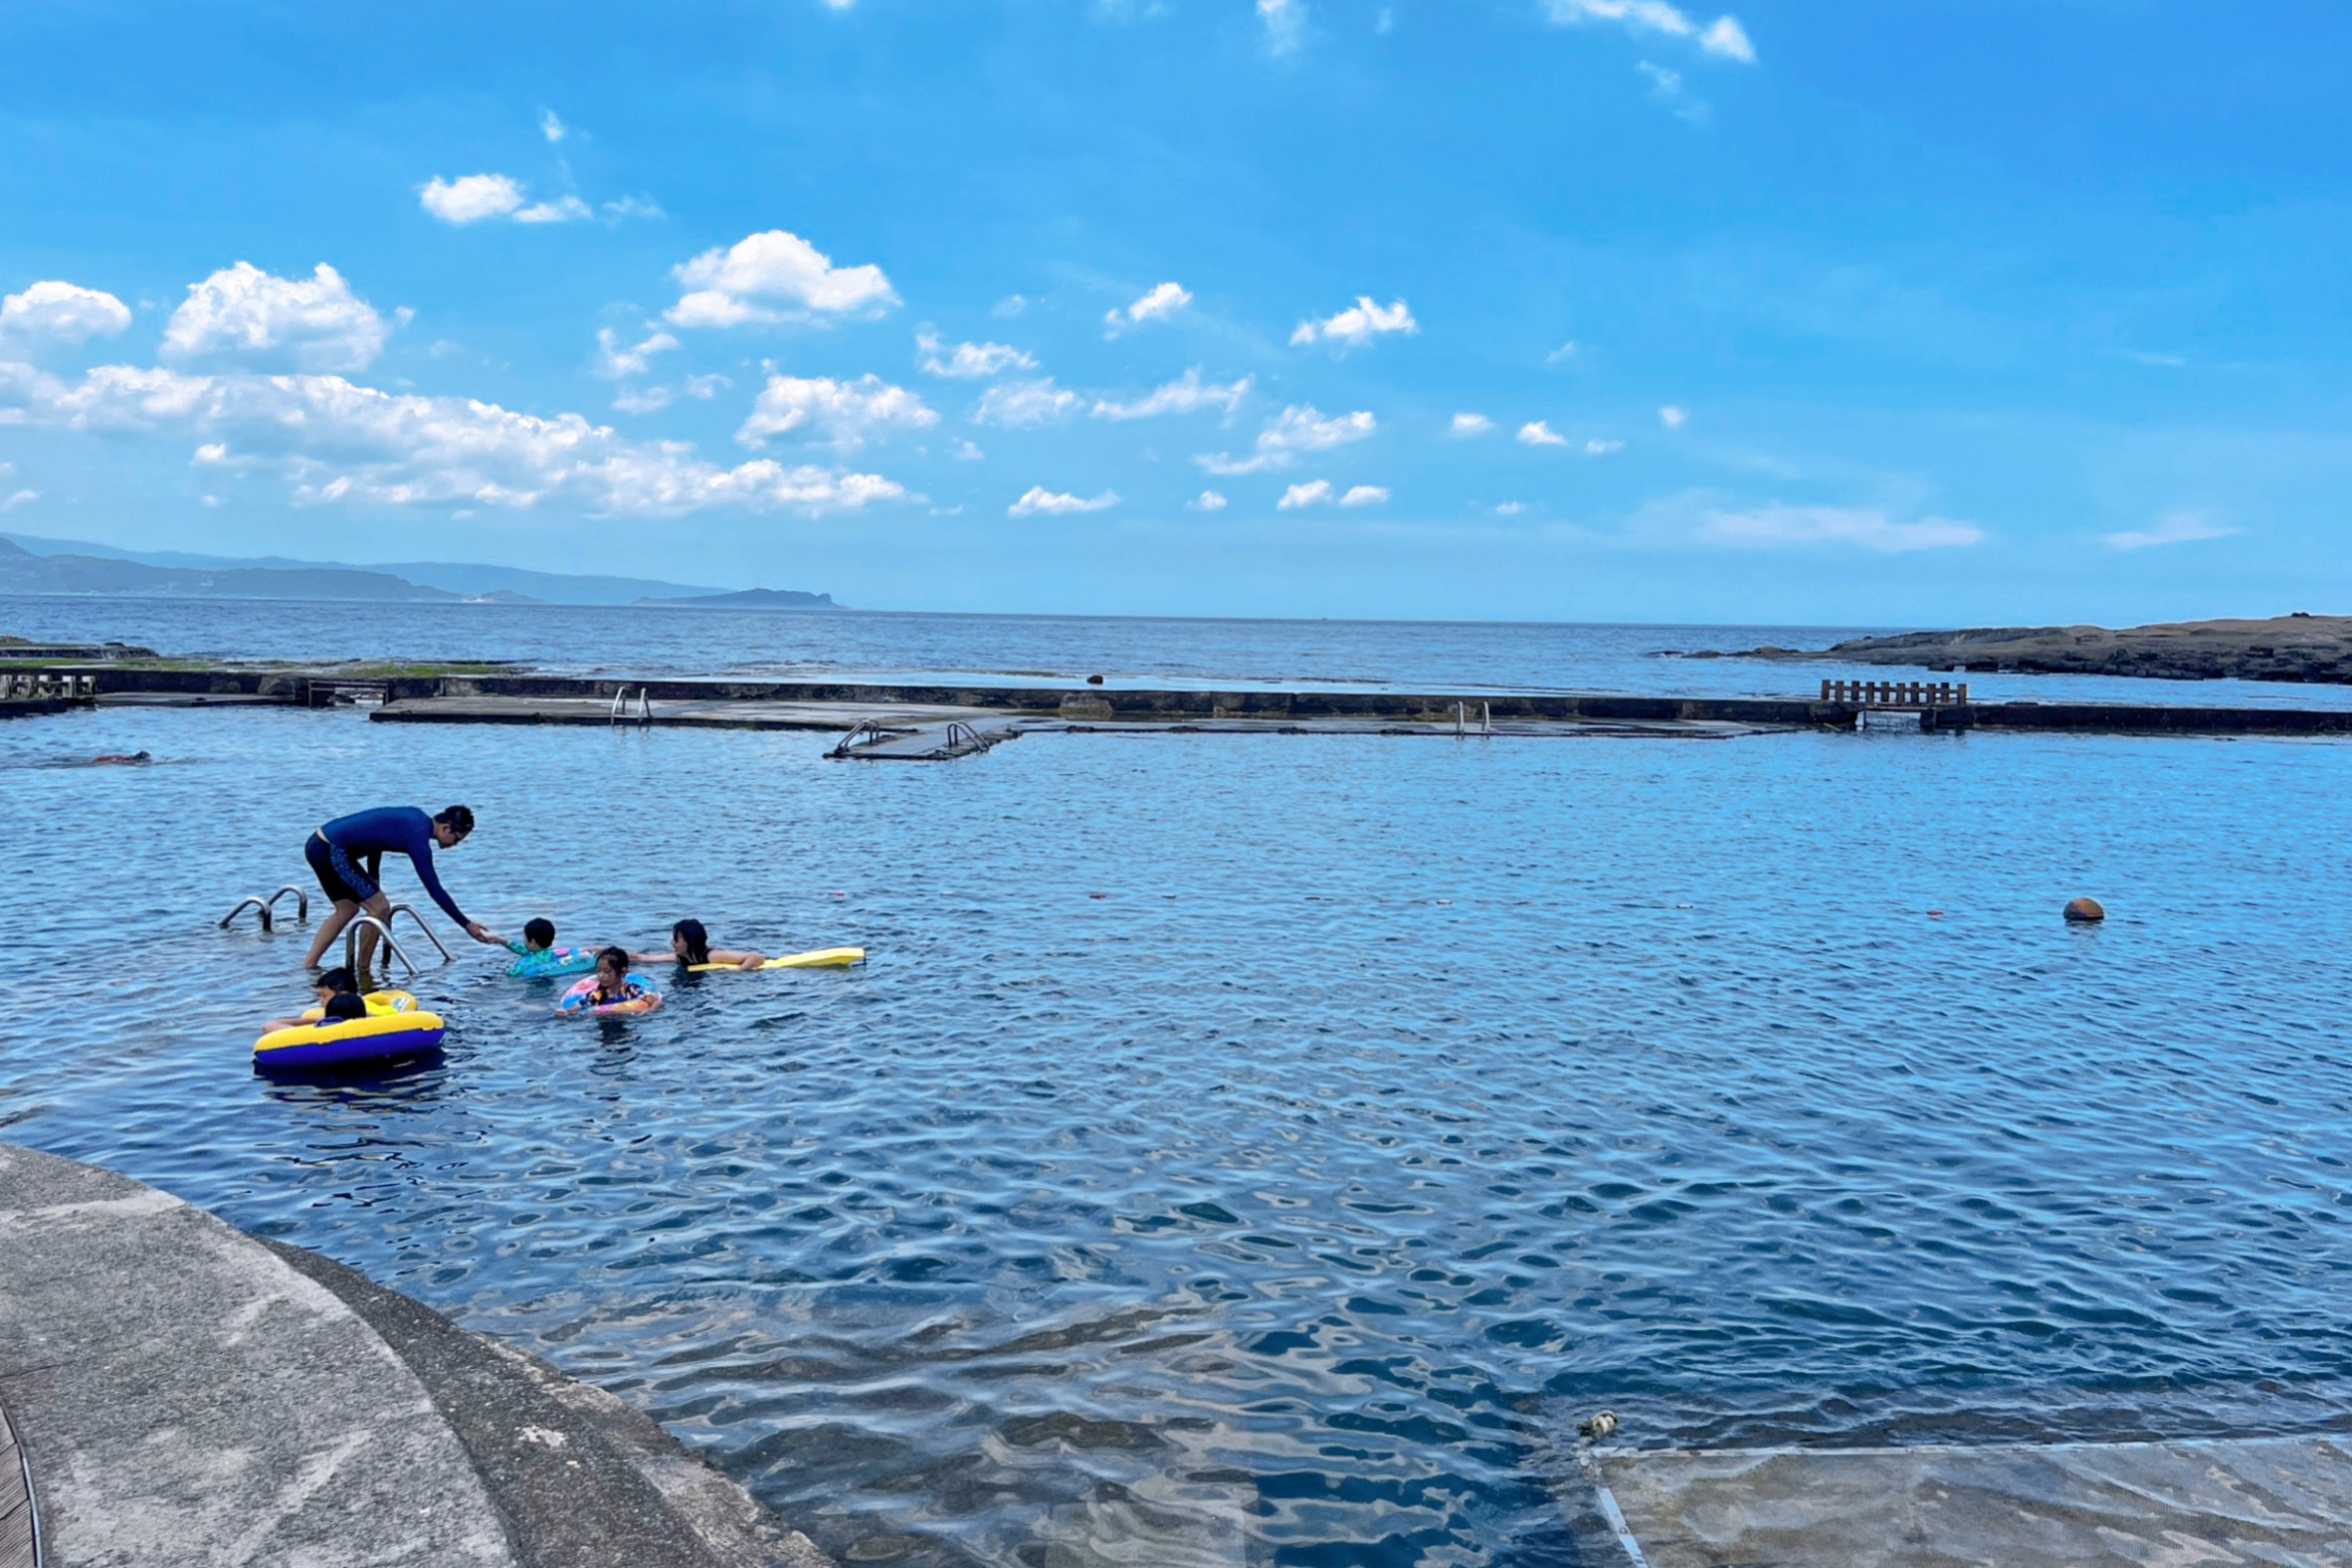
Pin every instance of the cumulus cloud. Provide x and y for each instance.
(1357, 325)
(262, 321)
(646, 400)
(1021, 405)
(551, 127)
(1785, 527)
(61, 314)
(774, 276)
(1160, 305)
(1535, 433)
(1037, 498)
(967, 361)
(1470, 425)
(1207, 501)
(2174, 527)
(1285, 25)
(471, 198)
(1672, 416)
(336, 442)
(1297, 429)
(1322, 493)
(1188, 394)
(616, 363)
(1723, 37)
(843, 414)
(1597, 447)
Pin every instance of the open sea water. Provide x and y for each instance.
(1261, 1149)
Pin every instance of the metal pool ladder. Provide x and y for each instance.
(268, 907)
(392, 945)
(645, 705)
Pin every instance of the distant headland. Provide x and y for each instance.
(2293, 647)
(30, 564)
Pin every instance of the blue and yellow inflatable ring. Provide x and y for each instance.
(394, 1027)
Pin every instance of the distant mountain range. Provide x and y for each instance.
(30, 564)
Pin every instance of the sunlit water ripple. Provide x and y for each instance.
(1268, 1140)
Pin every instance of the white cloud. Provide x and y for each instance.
(1161, 303)
(564, 209)
(969, 452)
(471, 198)
(1009, 306)
(1672, 416)
(1597, 447)
(1207, 501)
(772, 276)
(61, 313)
(1188, 394)
(648, 400)
(245, 315)
(1470, 425)
(1037, 498)
(16, 498)
(1285, 25)
(1783, 527)
(843, 414)
(1510, 508)
(633, 207)
(968, 361)
(336, 442)
(1535, 433)
(2174, 527)
(1299, 427)
(615, 364)
(1019, 405)
(1723, 36)
(1562, 354)
(552, 129)
(1322, 493)
(1358, 324)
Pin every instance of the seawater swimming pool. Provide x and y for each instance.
(1268, 1140)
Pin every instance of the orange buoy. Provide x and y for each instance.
(2085, 912)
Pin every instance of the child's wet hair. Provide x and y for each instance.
(540, 932)
(338, 979)
(615, 959)
(696, 939)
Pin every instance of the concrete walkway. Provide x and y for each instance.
(2281, 1503)
(188, 1394)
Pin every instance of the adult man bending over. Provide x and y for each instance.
(347, 855)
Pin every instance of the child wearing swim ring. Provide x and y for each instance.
(538, 955)
(690, 944)
(612, 989)
(338, 999)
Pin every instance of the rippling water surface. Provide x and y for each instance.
(1259, 1147)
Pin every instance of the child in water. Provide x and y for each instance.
(538, 955)
(339, 998)
(612, 986)
(690, 943)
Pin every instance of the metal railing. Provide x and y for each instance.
(399, 909)
(867, 732)
(645, 705)
(268, 907)
(391, 943)
(1462, 720)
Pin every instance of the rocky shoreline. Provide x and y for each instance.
(2290, 647)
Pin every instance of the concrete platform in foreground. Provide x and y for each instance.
(2281, 1503)
(186, 1393)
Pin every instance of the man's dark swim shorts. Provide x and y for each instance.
(338, 875)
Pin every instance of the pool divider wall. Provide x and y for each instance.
(1095, 704)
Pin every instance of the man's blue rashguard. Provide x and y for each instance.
(338, 852)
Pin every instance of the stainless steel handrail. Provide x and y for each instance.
(391, 942)
(399, 909)
(268, 908)
(620, 707)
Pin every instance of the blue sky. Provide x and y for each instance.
(1951, 311)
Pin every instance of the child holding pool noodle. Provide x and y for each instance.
(690, 944)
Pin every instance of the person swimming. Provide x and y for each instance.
(339, 1000)
(612, 989)
(536, 955)
(690, 944)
